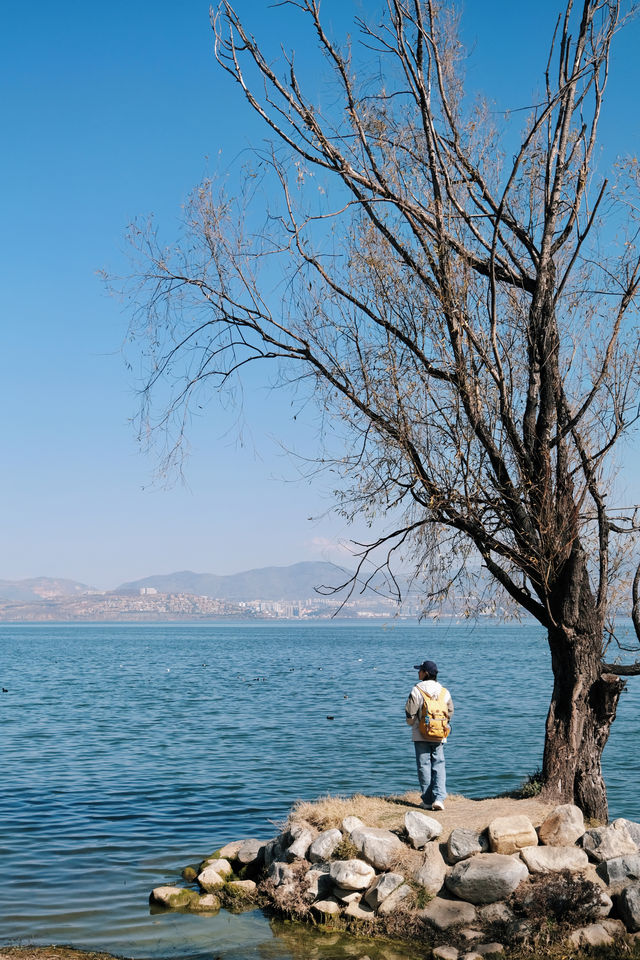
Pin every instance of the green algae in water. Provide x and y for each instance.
(304, 942)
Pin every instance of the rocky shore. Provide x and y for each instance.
(457, 886)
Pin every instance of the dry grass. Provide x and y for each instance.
(388, 812)
(328, 812)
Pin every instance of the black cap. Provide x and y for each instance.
(428, 666)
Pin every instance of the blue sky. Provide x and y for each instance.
(110, 111)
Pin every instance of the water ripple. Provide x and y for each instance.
(130, 751)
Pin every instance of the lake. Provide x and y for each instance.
(131, 750)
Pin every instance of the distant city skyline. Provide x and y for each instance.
(112, 112)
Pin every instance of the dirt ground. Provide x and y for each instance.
(389, 812)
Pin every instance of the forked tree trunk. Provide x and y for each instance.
(583, 707)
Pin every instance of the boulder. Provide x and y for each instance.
(205, 903)
(486, 877)
(619, 872)
(607, 843)
(563, 826)
(554, 859)
(382, 887)
(300, 846)
(359, 910)
(249, 851)
(395, 899)
(221, 866)
(210, 880)
(172, 897)
(352, 874)
(489, 949)
(379, 847)
(632, 828)
(593, 935)
(496, 913)
(319, 882)
(230, 850)
(324, 845)
(243, 887)
(443, 914)
(464, 843)
(347, 896)
(273, 850)
(628, 906)
(280, 873)
(328, 907)
(432, 870)
(420, 828)
(445, 953)
(510, 834)
(615, 927)
(349, 824)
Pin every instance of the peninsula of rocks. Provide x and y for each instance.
(529, 876)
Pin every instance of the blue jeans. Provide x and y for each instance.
(431, 771)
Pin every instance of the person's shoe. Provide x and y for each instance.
(426, 806)
(437, 805)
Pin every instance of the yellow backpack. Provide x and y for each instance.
(434, 716)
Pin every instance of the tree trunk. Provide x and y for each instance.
(582, 709)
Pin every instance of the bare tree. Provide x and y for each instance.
(466, 309)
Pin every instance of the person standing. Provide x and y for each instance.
(428, 710)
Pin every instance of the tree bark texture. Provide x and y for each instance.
(584, 699)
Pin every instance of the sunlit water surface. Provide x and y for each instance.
(130, 751)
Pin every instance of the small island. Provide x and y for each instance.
(482, 877)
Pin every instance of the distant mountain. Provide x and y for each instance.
(294, 582)
(41, 588)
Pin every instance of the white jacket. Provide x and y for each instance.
(414, 704)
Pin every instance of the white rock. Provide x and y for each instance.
(486, 877)
(347, 896)
(632, 828)
(444, 914)
(319, 881)
(562, 827)
(464, 843)
(432, 870)
(445, 953)
(607, 843)
(249, 850)
(509, 834)
(352, 874)
(206, 903)
(395, 899)
(553, 859)
(358, 910)
(593, 935)
(300, 846)
(221, 866)
(496, 913)
(619, 872)
(489, 949)
(349, 824)
(242, 886)
(380, 847)
(382, 887)
(420, 828)
(324, 845)
(210, 879)
(280, 873)
(328, 906)
(174, 897)
(628, 904)
(230, 850)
